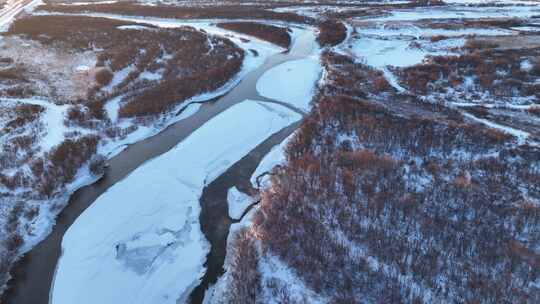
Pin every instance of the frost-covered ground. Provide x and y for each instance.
(314, 10)
(69, 74)
(142, 241)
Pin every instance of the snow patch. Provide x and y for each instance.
(275, 157)
(238, 203)
(292, 82)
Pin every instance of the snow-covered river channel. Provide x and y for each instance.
(154, 228)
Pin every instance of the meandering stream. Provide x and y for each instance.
(34, 274)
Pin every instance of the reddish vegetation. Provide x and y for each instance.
(495, 71)
(97, 165)
(65, 160)
(203, 12)
(190, 69)
(438, 38)
(364, 194)
(270, 33)
(331, 32)
(12, 74)
(49, 175)
(17, 147)
(475, 44)
(72, 32)
(246, 284)
(56, 168)
(351, 78)
(104, 77)
(25, 113)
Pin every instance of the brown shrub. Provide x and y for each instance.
(536, 68)
(14, 242)
(380, 84)
(76, 114)
(331, 32)
(184, 12)
(15, 73)
(95, 108)
(246, 279)
(6, 60)
(479, 111)
(70, 155)
(172, 91)
(104, 76)
(18, 91)
(23, 142)
(331, 184)
(497, 136)
(463, 180)
(475, 44)
(97, 165)
(26, 113)
(437, 38)
(270, 33)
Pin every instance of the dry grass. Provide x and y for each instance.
(47, 70)
(25, 113)
(331, 32)
(186, 69)
(104, 76)
(270, 33)
(474, 44)
(495, 71)
(207, 12)
(13, 73)
(535, 110)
